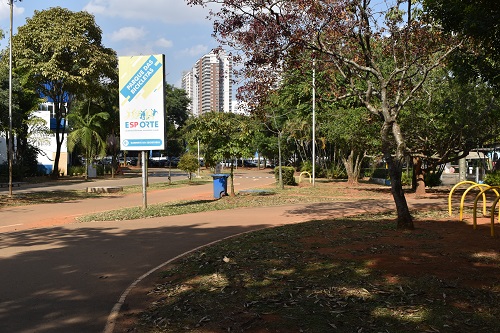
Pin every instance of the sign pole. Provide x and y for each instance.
(144, 181)
(142, 108)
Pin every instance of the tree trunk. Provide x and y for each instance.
(405, 220)
(390, 130)
(418, 176)
(232, 178)
(55, 170)
(353, 167)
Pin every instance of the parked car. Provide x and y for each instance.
(173, 162)
(249, 163)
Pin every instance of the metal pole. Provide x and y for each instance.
(314, 124)
(10, 144)
(144, 181)
(198, 158)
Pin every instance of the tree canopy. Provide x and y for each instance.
(225, 136)
(478, 23)
(60, 53)
(382, 54)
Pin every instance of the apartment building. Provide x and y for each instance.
(209, 83)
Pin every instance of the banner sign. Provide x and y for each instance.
(142, 102)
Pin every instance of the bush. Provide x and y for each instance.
(76, 170)
(306, 166)
(492, 179)
(188, 163)
(288, 174)
(337, 172)
(380, 173)
(17, 172)
(406, 178)
(432, 178)
(319, 171)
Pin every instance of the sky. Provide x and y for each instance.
(170, 27)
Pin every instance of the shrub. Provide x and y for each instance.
(306, 166)
(380, 173)
(288, 174)
(432, 178)
(188, 163)
(337, 172)
(17, 172)
(406, 178)
(76, 170)
(319, 171)
(493, 179)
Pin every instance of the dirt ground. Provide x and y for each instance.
(440, 246)
(448, 249)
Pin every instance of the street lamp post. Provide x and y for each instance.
(314, 122)
(10, 154)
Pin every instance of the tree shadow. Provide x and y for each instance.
(67, 279)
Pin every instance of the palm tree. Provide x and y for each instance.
(86, 132)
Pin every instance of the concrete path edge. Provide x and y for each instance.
(115, 311)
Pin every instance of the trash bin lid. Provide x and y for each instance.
(220, 175)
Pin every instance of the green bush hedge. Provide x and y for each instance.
(380, 173)
(288, 174)
(493, 179)
(75, 170)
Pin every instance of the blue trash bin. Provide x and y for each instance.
(220, 185)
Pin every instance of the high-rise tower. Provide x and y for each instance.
(209, 83)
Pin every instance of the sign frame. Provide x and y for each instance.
(142, 102)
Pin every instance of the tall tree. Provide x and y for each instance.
(60, 52)
(226, 136)
(103, 98)
(357, 37)
(478, 23)
(453, 117)
(176, 115)
(86, 131)
(25, 126)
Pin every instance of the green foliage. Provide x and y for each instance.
(62, 60)
(176, 115)
(225, 136)
(306, 166)
(28, 161)
(102, 170)
(380, 173)
(288, 174)
(64, 57)
(17, 172)
(319, 171)
(336, 172)
(492, 179)
(75, 170)
(451, 117)
(176, 105)
(86, 132)
(406, 179)
(477, 23)
(432, 178)
(188, 163)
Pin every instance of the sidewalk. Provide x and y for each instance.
(44, 215)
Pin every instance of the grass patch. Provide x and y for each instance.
(313, 277)
(49, 197)
(53, 197)
(255, 198)
(166, 185)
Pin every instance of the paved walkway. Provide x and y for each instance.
(61, 276)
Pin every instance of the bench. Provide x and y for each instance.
(104, 189)
(14, 184)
